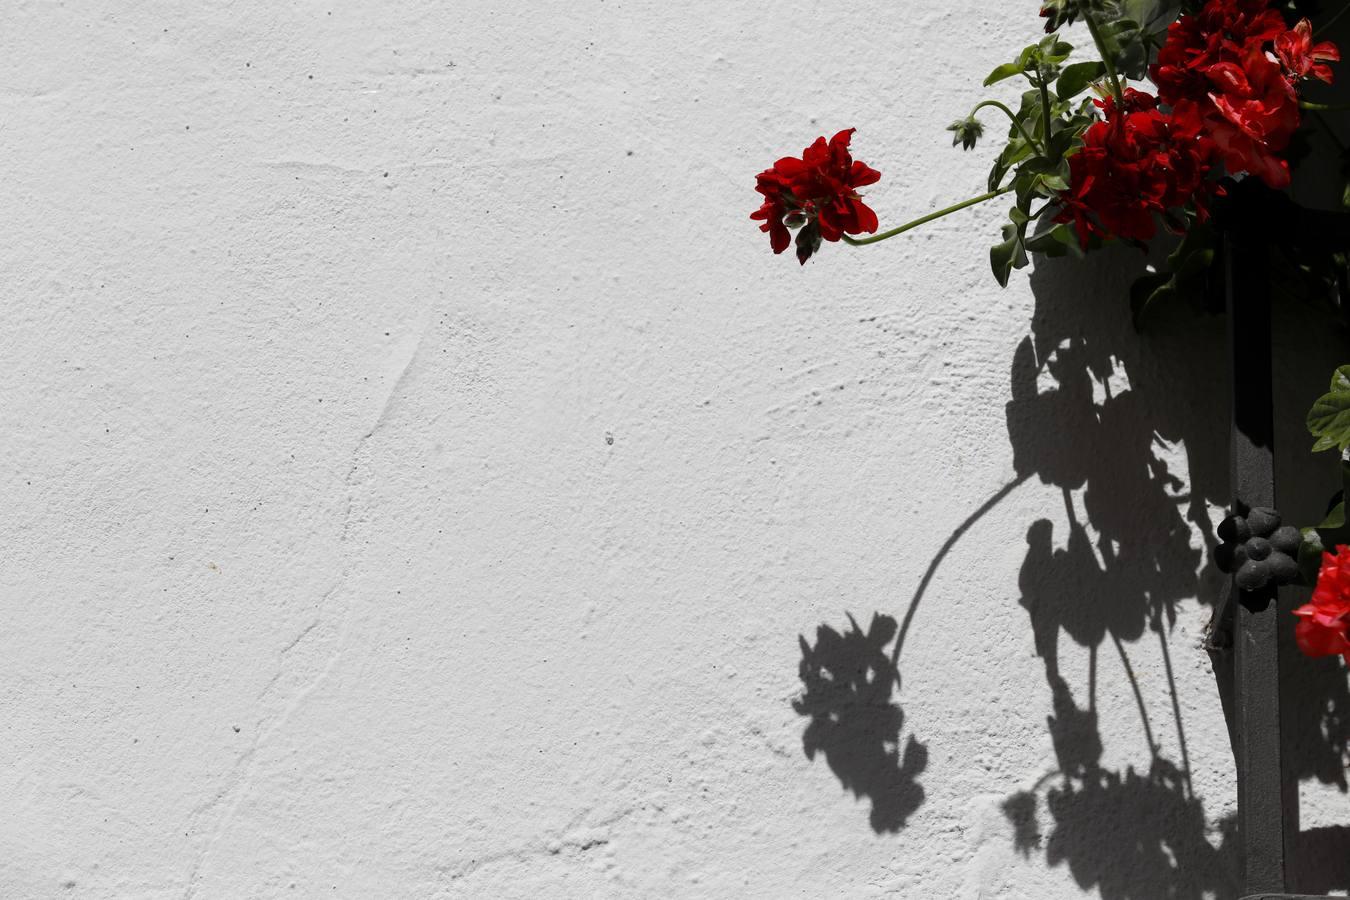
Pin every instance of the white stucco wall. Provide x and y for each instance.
(418, 472)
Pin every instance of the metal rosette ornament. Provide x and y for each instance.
(1257, 550)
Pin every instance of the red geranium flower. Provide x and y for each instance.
(1301, 57)
(1219, 77)
(1134, 167)
(1324, 624)
(818, 193)
(1251, 114)
(1222, 31)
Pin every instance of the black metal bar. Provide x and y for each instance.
(1261, 784)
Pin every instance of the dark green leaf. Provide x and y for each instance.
(1329, 418)
(1147, 290)
(1007, 70)
(1076, 78)
(1056, 241)
(1016, 151)
(1009, 254)
(1055, 182)
(1053, 50)
(1183, 275)
(1326, 536)
(1027, 61)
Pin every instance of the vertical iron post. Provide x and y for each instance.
(1261, 785)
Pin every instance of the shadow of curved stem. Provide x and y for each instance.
(1176, 707)
(942, 554)
(1138, 696)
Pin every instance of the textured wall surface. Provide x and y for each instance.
(421, 481)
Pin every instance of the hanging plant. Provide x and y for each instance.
(1179, 103)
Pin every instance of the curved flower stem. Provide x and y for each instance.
(1106, 57)
(1323, 107)
(858, 242)
(1011, 116)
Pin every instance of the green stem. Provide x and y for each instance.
(1009, 113)
(1106, 57)
(1323, 107)
(1045, 107)
(858, 242)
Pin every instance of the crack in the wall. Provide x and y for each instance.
(575, 841)
(245, 768)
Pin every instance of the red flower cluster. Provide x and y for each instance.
(817, 192)
(1220, 78)
(1324, 624)
(1133, 167)
(1230, 101)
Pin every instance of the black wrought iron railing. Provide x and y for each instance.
(1248, 622)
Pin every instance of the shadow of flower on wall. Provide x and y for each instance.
(1096, 413)
(848, 681)
(1132, 434)
(1130, 835)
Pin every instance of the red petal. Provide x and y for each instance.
(862, 175)
(842, 138)
(867, 218)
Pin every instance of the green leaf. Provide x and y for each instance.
(1154, 287)
(1060, 240)
(1323, 443)
(1331, 532)
(1076, 78)
(1335, 519)
(1135, 27)
(1310, 555)
(1047, 52)
(1329, 418)
(1016, 151)
(1184, 274)
(1052, 50)
(1025, 60)
(1155, 15)
(1007, 70)
(1040, 165)
(1144, 10)
(1010, 253)
(1001, 257)
(1064, 143)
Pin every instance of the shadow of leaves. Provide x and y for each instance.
(849, 683)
